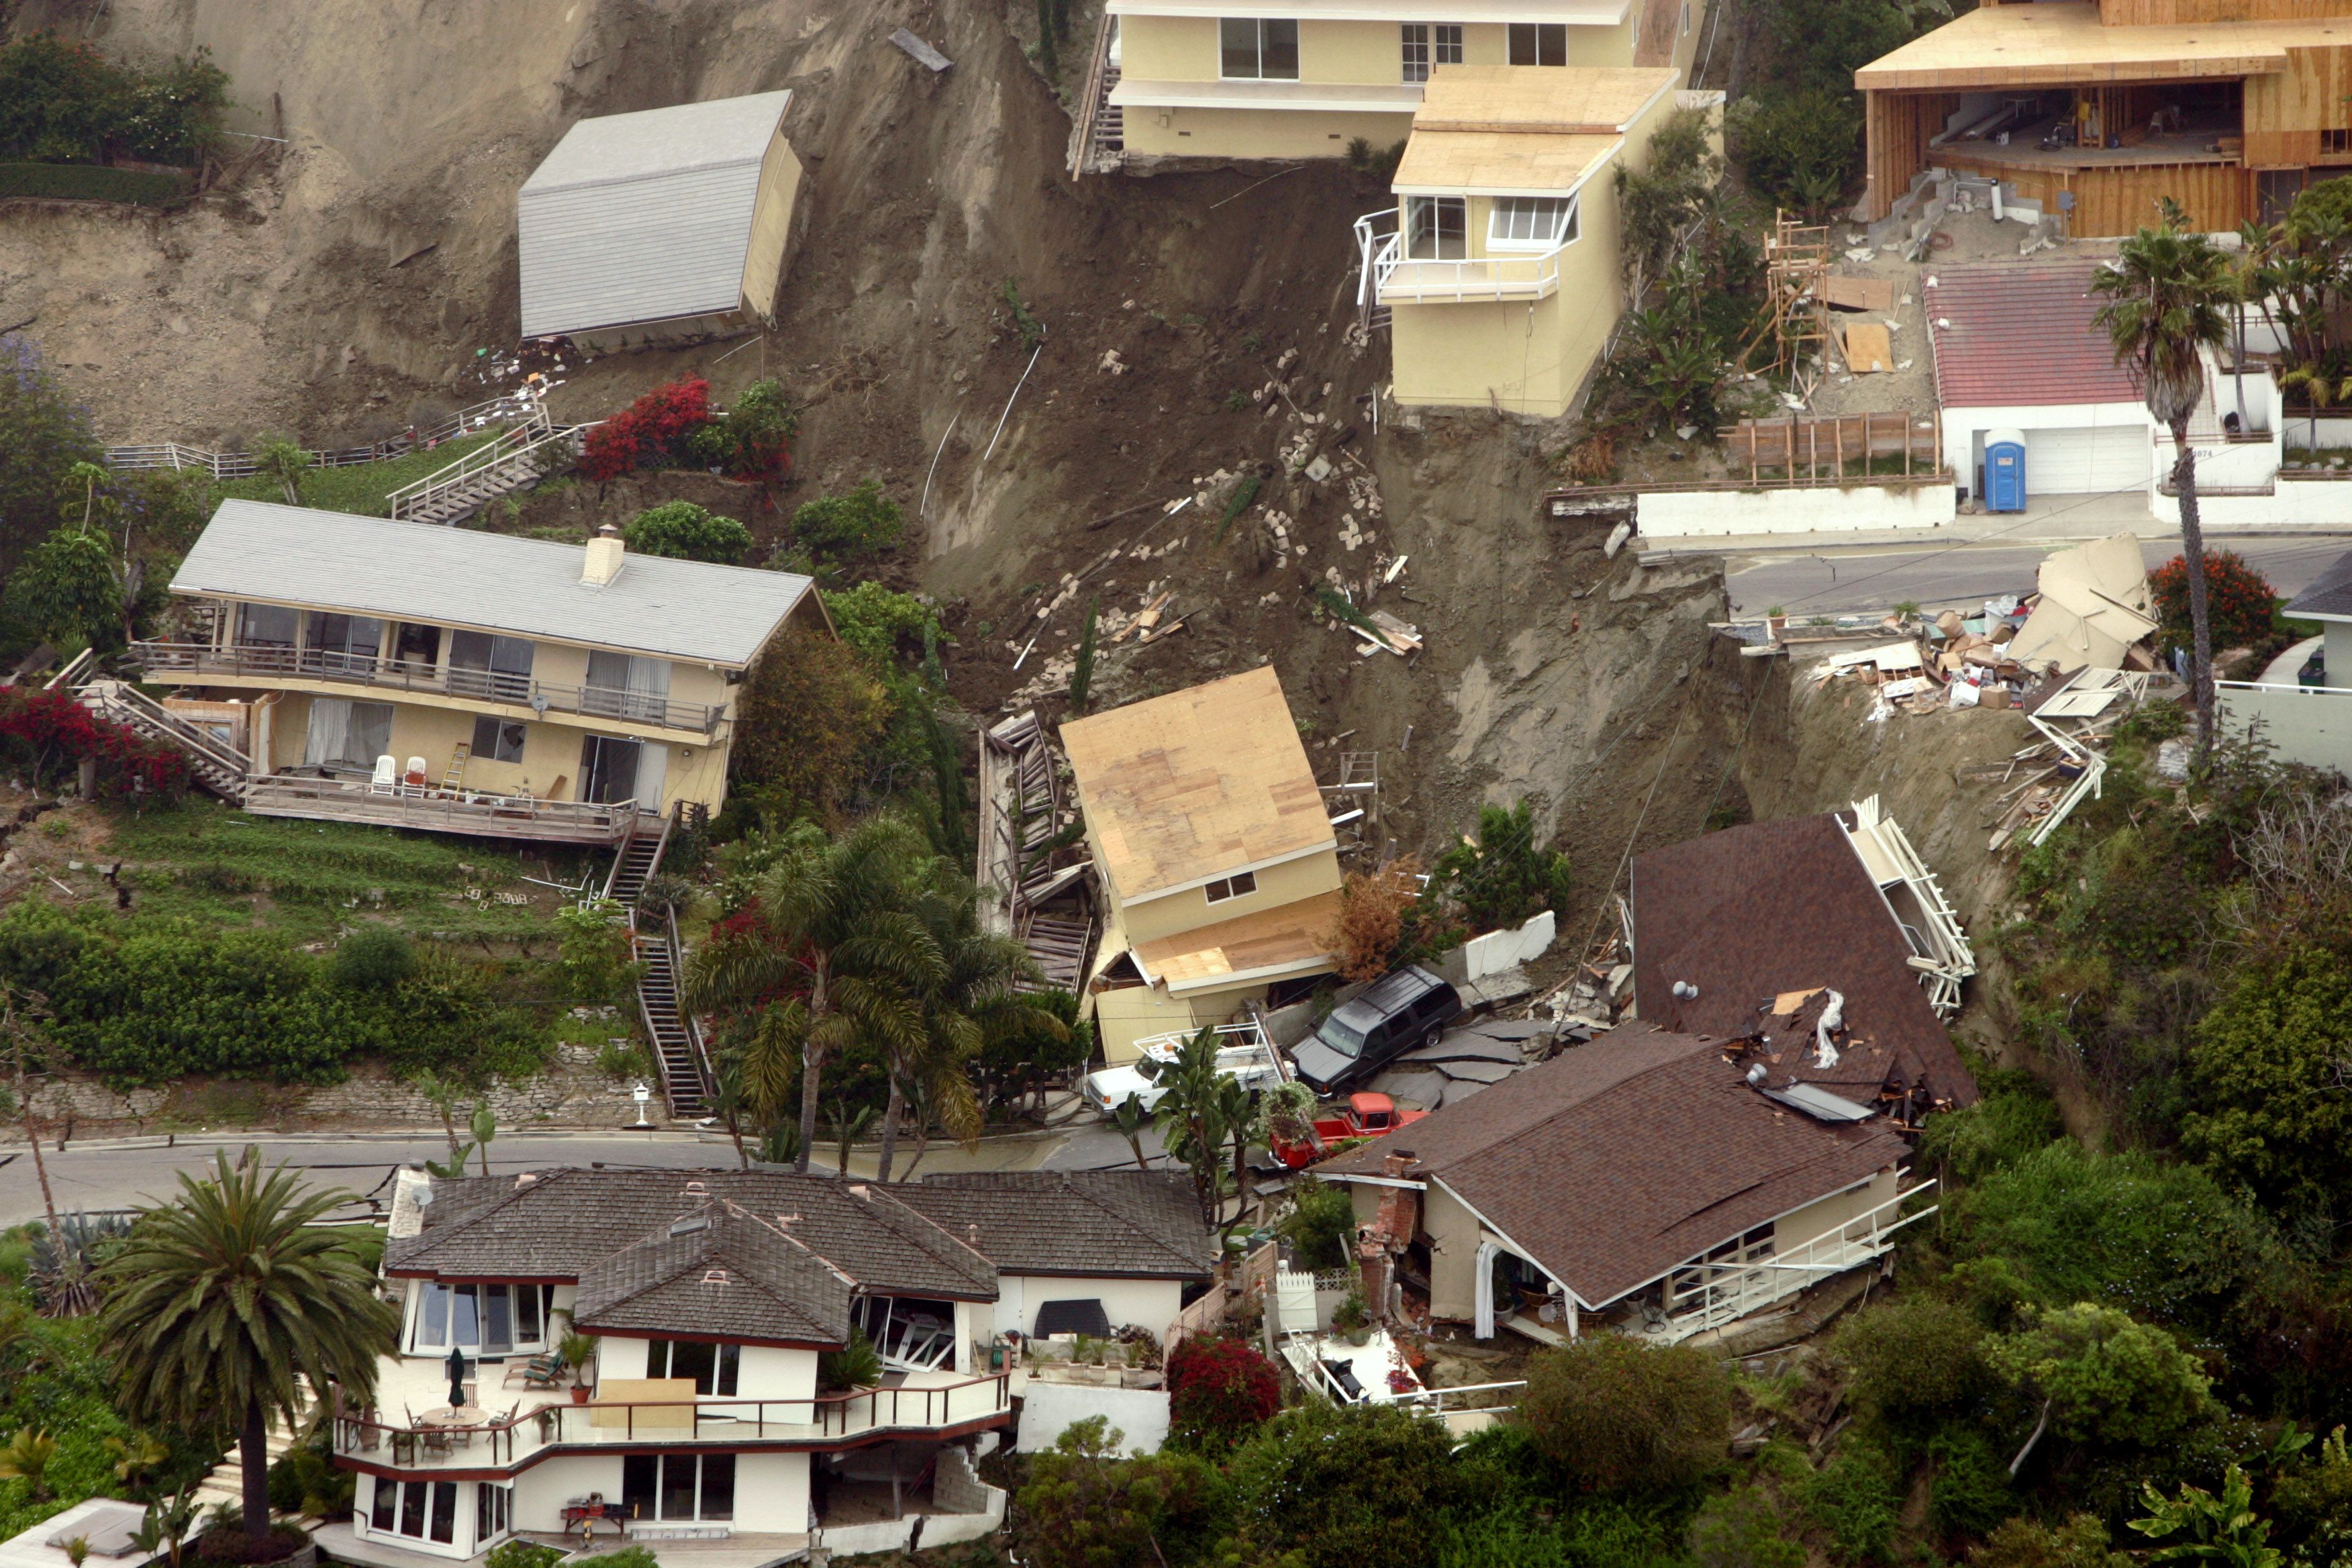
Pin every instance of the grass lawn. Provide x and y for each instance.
(362, 487)
(310, 879)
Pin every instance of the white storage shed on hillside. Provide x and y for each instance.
(661, 225)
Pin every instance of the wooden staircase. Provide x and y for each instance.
(678, 1051)
(212, 762)
(1099, 129)
(522, 456)
(1058, 944)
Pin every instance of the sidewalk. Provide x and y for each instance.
(2049, 520)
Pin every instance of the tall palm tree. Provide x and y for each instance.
(220, 1301)
(827, 953)
(973, 999)
(2165, 296)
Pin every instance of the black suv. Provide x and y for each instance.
(1401, 1009)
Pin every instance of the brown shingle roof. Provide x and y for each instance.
(1618, 1159)
(1755, 912)
(563, 1223)
(719, 1270)
(1138, 1224)
(2011, 333)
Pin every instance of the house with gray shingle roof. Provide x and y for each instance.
(705, 1410)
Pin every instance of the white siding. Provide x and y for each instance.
(1150, 1303)
(771, 1373)
(541, 1490)
(771, 1494)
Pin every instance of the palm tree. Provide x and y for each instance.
(2165, 296)
(221, 1301)
(973, 1000)
(826, 954)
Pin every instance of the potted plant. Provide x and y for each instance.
(855, 1365)
(1351, 1319)
(579, 1348)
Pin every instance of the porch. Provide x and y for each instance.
(340, 1542)
(436, 810)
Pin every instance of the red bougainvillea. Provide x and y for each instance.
(2239, 598)
(51, 728)
(1219, 1391)
(650, 433)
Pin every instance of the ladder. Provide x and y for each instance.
(455, 772)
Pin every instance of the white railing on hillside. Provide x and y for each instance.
(240, 465)
(1394, 277)
(1701, 1296)
(526, 440)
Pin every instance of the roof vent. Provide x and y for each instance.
(698, 1189)
(689, 1224)
(605, 556)
(860, 1190)
(714, 1277)
(1685, 989)
(1758, 1074)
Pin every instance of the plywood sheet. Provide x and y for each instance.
(1868, 347)
(2062, 44)
(1578, 98)
(1472, 161)
(1872, 294)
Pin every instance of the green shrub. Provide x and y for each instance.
(373, 958)
(1083, 1507)
(62, 101)
(1320, 1224)
(684, 532)
(1798, 148)
(2015, 1116)
(2081, 1542)
(521, 1553)
(844, 530)
(1970, 1493)
(2260, 1119)
(1325, 1487)
(1599, 1534)
(1856, 1502)
(1615, 1415)
(2108, 1377)
(1914, 1360)
(1743, 1529)
(90, 182)
(1503, 878)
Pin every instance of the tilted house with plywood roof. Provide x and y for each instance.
(1502, 274)
(2096, 111)
(1219, 868)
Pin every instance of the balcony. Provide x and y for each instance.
(1394, 277)
(198, 660)
(436, 810)
(925, 1406)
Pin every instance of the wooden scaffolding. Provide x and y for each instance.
(1796, 268)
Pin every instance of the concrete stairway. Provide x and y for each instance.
(225, 1484)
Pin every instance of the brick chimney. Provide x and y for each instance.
(1372, 1257)
(605, 553)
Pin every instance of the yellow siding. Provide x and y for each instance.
(1817, 1220)
(772, 226)
(1169, 48)
(1131, 1013)
(1257, 132)
(1276, 885)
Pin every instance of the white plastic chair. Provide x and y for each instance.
(387, 775)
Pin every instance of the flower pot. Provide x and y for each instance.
(1358, 1336)
(579, 1393)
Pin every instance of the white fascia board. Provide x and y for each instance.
(1167, 95)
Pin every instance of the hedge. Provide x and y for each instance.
(90, 182)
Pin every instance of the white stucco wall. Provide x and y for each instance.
(771, 1494)
(2312, 727)
(1717, 514)
(1138, 1414)
(541, 1490)
(1150, 1303)
(770, 1371)
(2295, 506)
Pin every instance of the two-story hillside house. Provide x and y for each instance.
(438, 678)
(1499, 264)
(1303, 79)
(2095, 110)
(711, 1296)
(1219, 868)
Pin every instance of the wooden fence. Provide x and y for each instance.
(1819, 448)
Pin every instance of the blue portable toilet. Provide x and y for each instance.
(2004, 470)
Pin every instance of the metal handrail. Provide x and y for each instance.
(1730, 1291)
(179, 730)
(240, 465)
(1369, 233)
(508, 450)
(1472, 278)
(402, 675)
(686, 1013)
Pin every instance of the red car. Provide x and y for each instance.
(1367, 1116)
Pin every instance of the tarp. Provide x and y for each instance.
(2096, 603)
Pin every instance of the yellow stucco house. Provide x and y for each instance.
(1219, 869)
(1302, 78)
(519, 688)
(1498, 266)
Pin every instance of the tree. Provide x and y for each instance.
(2239, 600)
(1192, 1117)
(2165, 295)
(2225, 1532)
(1088, 1508)
(827, 953)
(844, 530)
(1331, 1487)
(2103, 1377)
(684, 532)
(1503, 878)
(1370, 925)
(219, 1302)
(1219, 1391)
(282, 458)
(810, 711)
(1321, 1224)
(67, 587)
(43, 434)
(2269, 1087)
(1914, 1360)
(1616, 1415)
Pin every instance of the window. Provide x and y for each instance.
(482, 665)
(625, 686)
(419, 1509)
(1427, 43)
(1531, 223)
(1539, 43)
(498, 740)
(345, 734)
(346, 643)
(1438, 228)
(678, 1487)
(1686, 18)
(1258, 49)
(1235, 887)
(2335, 141)
(608, 768)
(714, 1368)
(487, 1320)
(265, 625)
(415, 646)
(493, 1512)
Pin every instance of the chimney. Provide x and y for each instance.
(1398, 1164)
(605, 553)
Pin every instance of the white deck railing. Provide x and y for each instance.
(1394, 277)
(1712, 1294)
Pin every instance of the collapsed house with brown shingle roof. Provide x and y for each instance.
(1657, 1179)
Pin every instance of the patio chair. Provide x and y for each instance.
(387, 775)
(437, 1441)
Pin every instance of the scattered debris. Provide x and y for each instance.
(921, 50)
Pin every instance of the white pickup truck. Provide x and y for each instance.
(1243, 1052)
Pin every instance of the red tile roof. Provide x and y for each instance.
(2010, 334)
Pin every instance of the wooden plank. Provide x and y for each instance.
(1875, 294)
(1868, 350)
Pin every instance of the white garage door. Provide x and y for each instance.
(2080, 461)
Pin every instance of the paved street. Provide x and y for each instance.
(1832, 581)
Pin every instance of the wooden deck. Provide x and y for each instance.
(441, 811)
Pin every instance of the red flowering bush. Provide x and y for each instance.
(2238, 598)
(51, 732)
(651, 433)
(1219, 1391)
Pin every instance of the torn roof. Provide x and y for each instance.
(2096, 603)
(1199, 783)
(1753, 913)
(1626, 1157)
(1290, 939)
